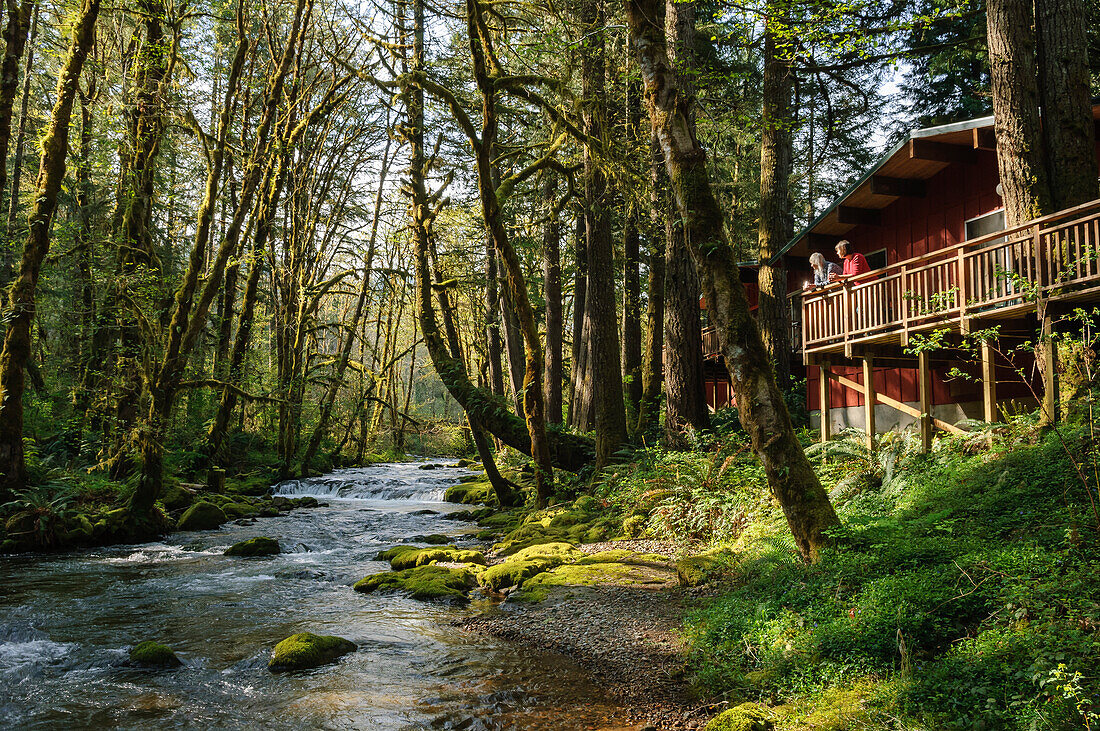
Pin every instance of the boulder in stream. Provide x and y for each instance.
(259, 546)
(202, 516)
(422, 582)
(306, 650)
(149, 654)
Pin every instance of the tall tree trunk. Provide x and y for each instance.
(580, 390)
(776, 226)
(1025, 188)
(15, 40)
(649, 408)
(685, 393)
(486, 66)
(21, 130)
(551, 287)
(494, 347)
(51, 173)
(761, 407)
(513, 345)
(632, 307)
(1068, 126)
(606, 365)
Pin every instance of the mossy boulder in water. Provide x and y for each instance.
(745, 717)
(240, 510)
(406, 557)
(259, 546)
(474, 492)
(422, 582)
(202, 516)
(151, 654)
(306, 650)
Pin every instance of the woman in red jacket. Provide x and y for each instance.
(854, 262)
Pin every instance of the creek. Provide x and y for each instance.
(67, 622)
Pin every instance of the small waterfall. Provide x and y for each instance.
(363, 483)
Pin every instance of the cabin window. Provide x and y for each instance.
(987, 224)
(877, 259)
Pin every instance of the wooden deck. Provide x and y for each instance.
(1003, 275)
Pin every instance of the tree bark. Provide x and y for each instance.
(776, 226)
(600, 300)
(649, 408)
(632, 308)
(580, 388)
(761, 407)
(15, 40)
(51, 173)
(1025, 188)
(685, 394)
(1066, 102)
(21, 132)
(551, 286)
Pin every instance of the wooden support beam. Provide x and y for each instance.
(898, 187)
(989, 383)
(984, 138)
(869, 400)
(852, 216)
(823, 396)
(924, 383)
(1047, 356)
(898, 405)
(940, 152)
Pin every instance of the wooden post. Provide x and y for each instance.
(869, 400)
(924, 382)
(989, 383)
(1048, 357)
(823, 397)
(904, 302)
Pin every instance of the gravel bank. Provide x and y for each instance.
(625, 636)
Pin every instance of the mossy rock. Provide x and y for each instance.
(567, 520)
(306, 650)
(307, 502)
(259, 546)
(509, 519)
(745, 717)
(587, 504)
(514, 572)
(558, 550)
(470, 478)
(488, 535)
(422, 582)
(531, 534)
(269, 511)
(202, 515)
(240, 510)
(478, 492)
(460, 515)
(577, 574)
(79, 529)
(621, 555)
(424, 556)
(254, 486)
(151, 654)
(435, 539)
(176, 498)
(700, 569)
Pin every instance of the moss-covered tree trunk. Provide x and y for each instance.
(649, 406)
(51, 173)
(760, 403)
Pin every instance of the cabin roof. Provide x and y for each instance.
(901, 172)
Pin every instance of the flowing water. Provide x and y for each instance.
(67, 621)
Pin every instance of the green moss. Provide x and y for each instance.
(621, 555)
(240, 510)
(153, 655)
(745, 717)
(422, 582)
(306, 650)
(702, 568)
(200, 516)
(479, 491)
(514, 572)
(589, 574)
(634, 526)
(423, 556)
(176, 498)
(435, 539)
(530, 534)
(259, 546)
(563, 552)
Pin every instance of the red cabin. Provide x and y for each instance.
(928, 217)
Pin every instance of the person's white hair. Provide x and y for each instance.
(817, 260)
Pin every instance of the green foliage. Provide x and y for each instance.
(39, 516)
(962, 590)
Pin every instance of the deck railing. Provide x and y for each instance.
(1009, 272)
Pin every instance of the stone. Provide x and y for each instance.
(151, 654)
(259, 546)
(306, 650)
(422, 582)
(202, 516)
